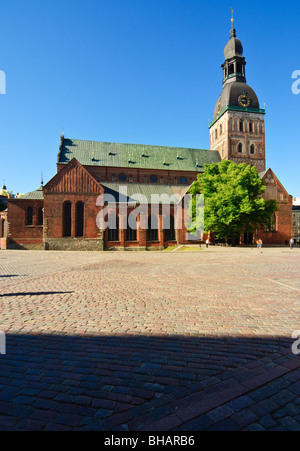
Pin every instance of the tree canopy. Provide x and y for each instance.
(233, 200)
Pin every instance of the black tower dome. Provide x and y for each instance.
(236, 92)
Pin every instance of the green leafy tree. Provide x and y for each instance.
(233, 202)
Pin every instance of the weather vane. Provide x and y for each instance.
(232, 19)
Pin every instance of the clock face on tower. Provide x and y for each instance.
(219, 108)
(244, 100)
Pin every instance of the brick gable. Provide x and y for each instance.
(73, 178)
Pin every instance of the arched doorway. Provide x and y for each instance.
(3, 228)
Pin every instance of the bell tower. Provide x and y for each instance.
(237, 130)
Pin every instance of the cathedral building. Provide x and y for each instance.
(64, 213)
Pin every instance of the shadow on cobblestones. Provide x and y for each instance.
(38, 293)
(63, 382)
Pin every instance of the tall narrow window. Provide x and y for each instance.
(67, 220)
(29, 216)
(113, 227)
(79, 219)
(240, 148)
(170, 232)
(250, 127)
(152, 228)
(241, 126)
(131, 233)
(40, 216)
(252, 149)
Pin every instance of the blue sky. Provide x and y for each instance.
(138, 71)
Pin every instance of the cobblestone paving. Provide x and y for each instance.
(150, 341)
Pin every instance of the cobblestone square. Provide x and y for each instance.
(150, 340)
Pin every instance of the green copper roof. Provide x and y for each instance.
(94, 153)
(130, 192)
(34, 195)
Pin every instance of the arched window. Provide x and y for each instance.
(252, 149)
(113, 227)
(152, 228)
(216, 134)
(67, 220)
(273, 223)
(241, 126)
(170, 232)
(79, 219)
(250, 127)
(131, 233)
(40, 216)
(29, 216)
(221, 130)
(240, 148)
(272, 226)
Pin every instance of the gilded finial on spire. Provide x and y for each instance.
(232, 31)
(232, 17)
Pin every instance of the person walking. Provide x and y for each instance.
(259, 244)
(207, 243)
(292, 242)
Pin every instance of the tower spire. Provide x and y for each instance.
(233, 30)
(232, 17)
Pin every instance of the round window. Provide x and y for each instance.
(122, 177)
(153, 179)
(183, 180)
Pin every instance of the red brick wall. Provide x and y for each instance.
(19, 233)
(54, 204)
(283, 225)
(106, 174)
